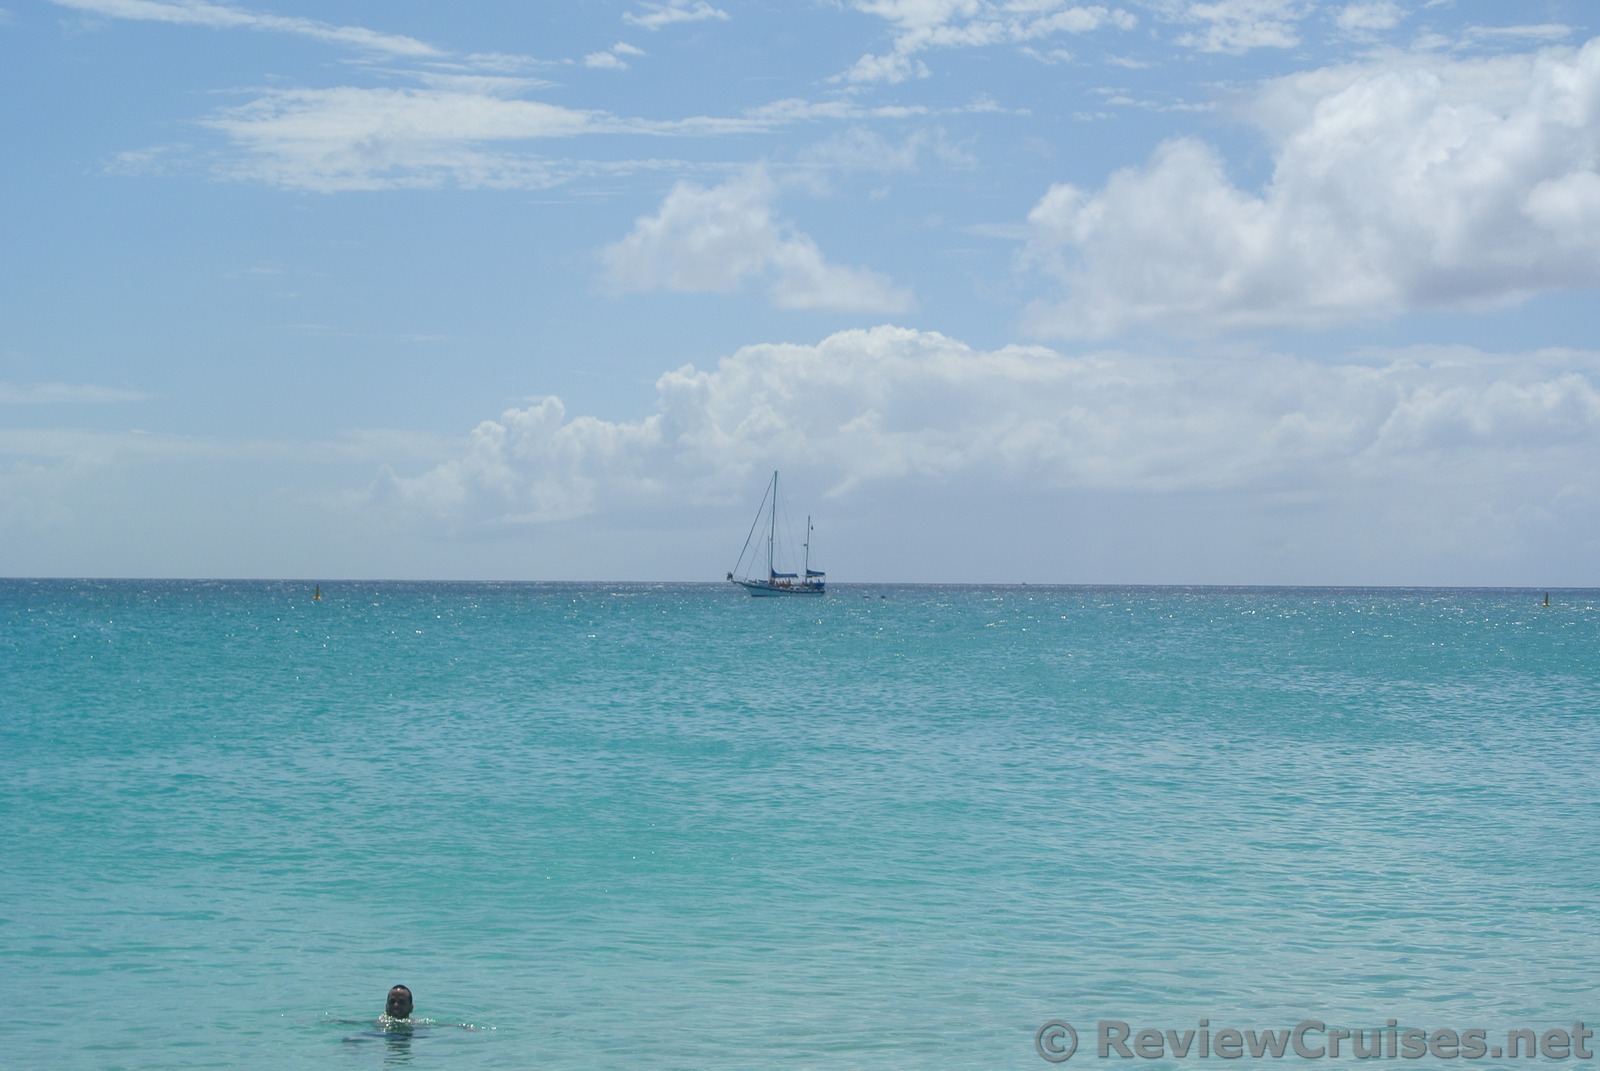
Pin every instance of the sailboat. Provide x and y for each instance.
(771, 581)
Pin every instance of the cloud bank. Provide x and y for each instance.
(866, 410)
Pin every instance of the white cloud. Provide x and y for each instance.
(1370, 16)
(351, 138)
(860, 149)
(922, 25)
(1544, 31)
(869, 411)
(893, 68)
(464, 131)
(468, 125)
(219, 16)
(611, 59)
(1450, 454)
(460, 128)
(532, 465)
(658, 15)
(1237, 26)
(1413, 183)
(477, 83)
(714, 239)
(66, 394)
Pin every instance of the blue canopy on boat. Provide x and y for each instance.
(815, 572)
(786, 576)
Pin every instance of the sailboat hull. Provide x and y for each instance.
(762, 589)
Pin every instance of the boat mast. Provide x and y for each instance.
(805, 577)
(772, 528)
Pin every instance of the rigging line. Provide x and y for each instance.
(785, 535)
(753, 525)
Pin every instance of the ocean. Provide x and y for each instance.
(671, 826)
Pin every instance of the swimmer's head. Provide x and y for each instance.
(398, 1006)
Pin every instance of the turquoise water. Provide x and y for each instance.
(598, 826)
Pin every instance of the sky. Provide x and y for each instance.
(1143, 292)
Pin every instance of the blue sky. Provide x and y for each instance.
(1242, 291)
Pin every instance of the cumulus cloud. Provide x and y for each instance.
(866, 410)
(714, 239)
(533, 466)
(923, 25)
(1416, 182)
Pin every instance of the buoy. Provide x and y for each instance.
(316, 595)
(1547, 598)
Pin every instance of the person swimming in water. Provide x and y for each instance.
(395, 1027)
(398, 1004)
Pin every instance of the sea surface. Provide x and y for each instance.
(671, 826)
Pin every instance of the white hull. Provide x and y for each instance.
(762, 589)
